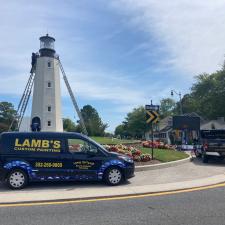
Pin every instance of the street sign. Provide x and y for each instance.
(152, 116)
(152, 107)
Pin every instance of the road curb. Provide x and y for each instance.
(215, 184)
(162, 165)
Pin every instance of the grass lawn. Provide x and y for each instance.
(107, 140)
(165, 155)
(159, 154)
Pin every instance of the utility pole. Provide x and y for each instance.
(180, 103)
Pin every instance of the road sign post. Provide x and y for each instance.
(152, 141)
(152, 116)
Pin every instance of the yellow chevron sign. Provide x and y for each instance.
(152, 116)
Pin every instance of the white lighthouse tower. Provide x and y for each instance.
(46, 105)
(44, 79)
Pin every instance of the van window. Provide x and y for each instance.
(77, 145)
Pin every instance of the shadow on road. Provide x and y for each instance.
(213, 161)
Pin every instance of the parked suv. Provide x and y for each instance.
(53, 156)
(212, 144)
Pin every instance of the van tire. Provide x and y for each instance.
(113, 176)
(17, 179)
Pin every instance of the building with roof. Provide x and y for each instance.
(164, 130)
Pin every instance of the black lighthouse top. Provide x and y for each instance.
(47, 46)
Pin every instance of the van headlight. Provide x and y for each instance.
(127, 159)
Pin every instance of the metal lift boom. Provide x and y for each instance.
(23, 101)
(73, 99)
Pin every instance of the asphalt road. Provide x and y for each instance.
(199, 207)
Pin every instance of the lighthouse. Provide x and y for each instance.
(44, 80)
(46, 112)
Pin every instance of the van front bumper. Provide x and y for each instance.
(129, 172)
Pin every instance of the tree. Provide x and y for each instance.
(134, 124)
(167, 107)
(108, 134)
(207, 96)
(69, 125)
(188, 104)
(122, 131)
(7, 114)
(93, 122)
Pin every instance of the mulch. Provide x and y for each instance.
(152, 162)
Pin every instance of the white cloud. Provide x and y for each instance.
(86, 84)
(192, 31)
(104, 86)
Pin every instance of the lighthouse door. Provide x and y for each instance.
(36, 124)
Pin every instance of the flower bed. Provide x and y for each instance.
(157, 144)
(130, 151)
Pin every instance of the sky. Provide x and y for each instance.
(117, 54)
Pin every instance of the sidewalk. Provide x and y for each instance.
(188, 175)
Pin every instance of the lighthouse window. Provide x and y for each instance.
(49, 84)
(49, 64)
(49, 123)
(49, 108)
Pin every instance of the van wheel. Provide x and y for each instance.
(113, 176)
(17, 179)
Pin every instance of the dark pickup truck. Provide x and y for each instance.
(212, 145)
